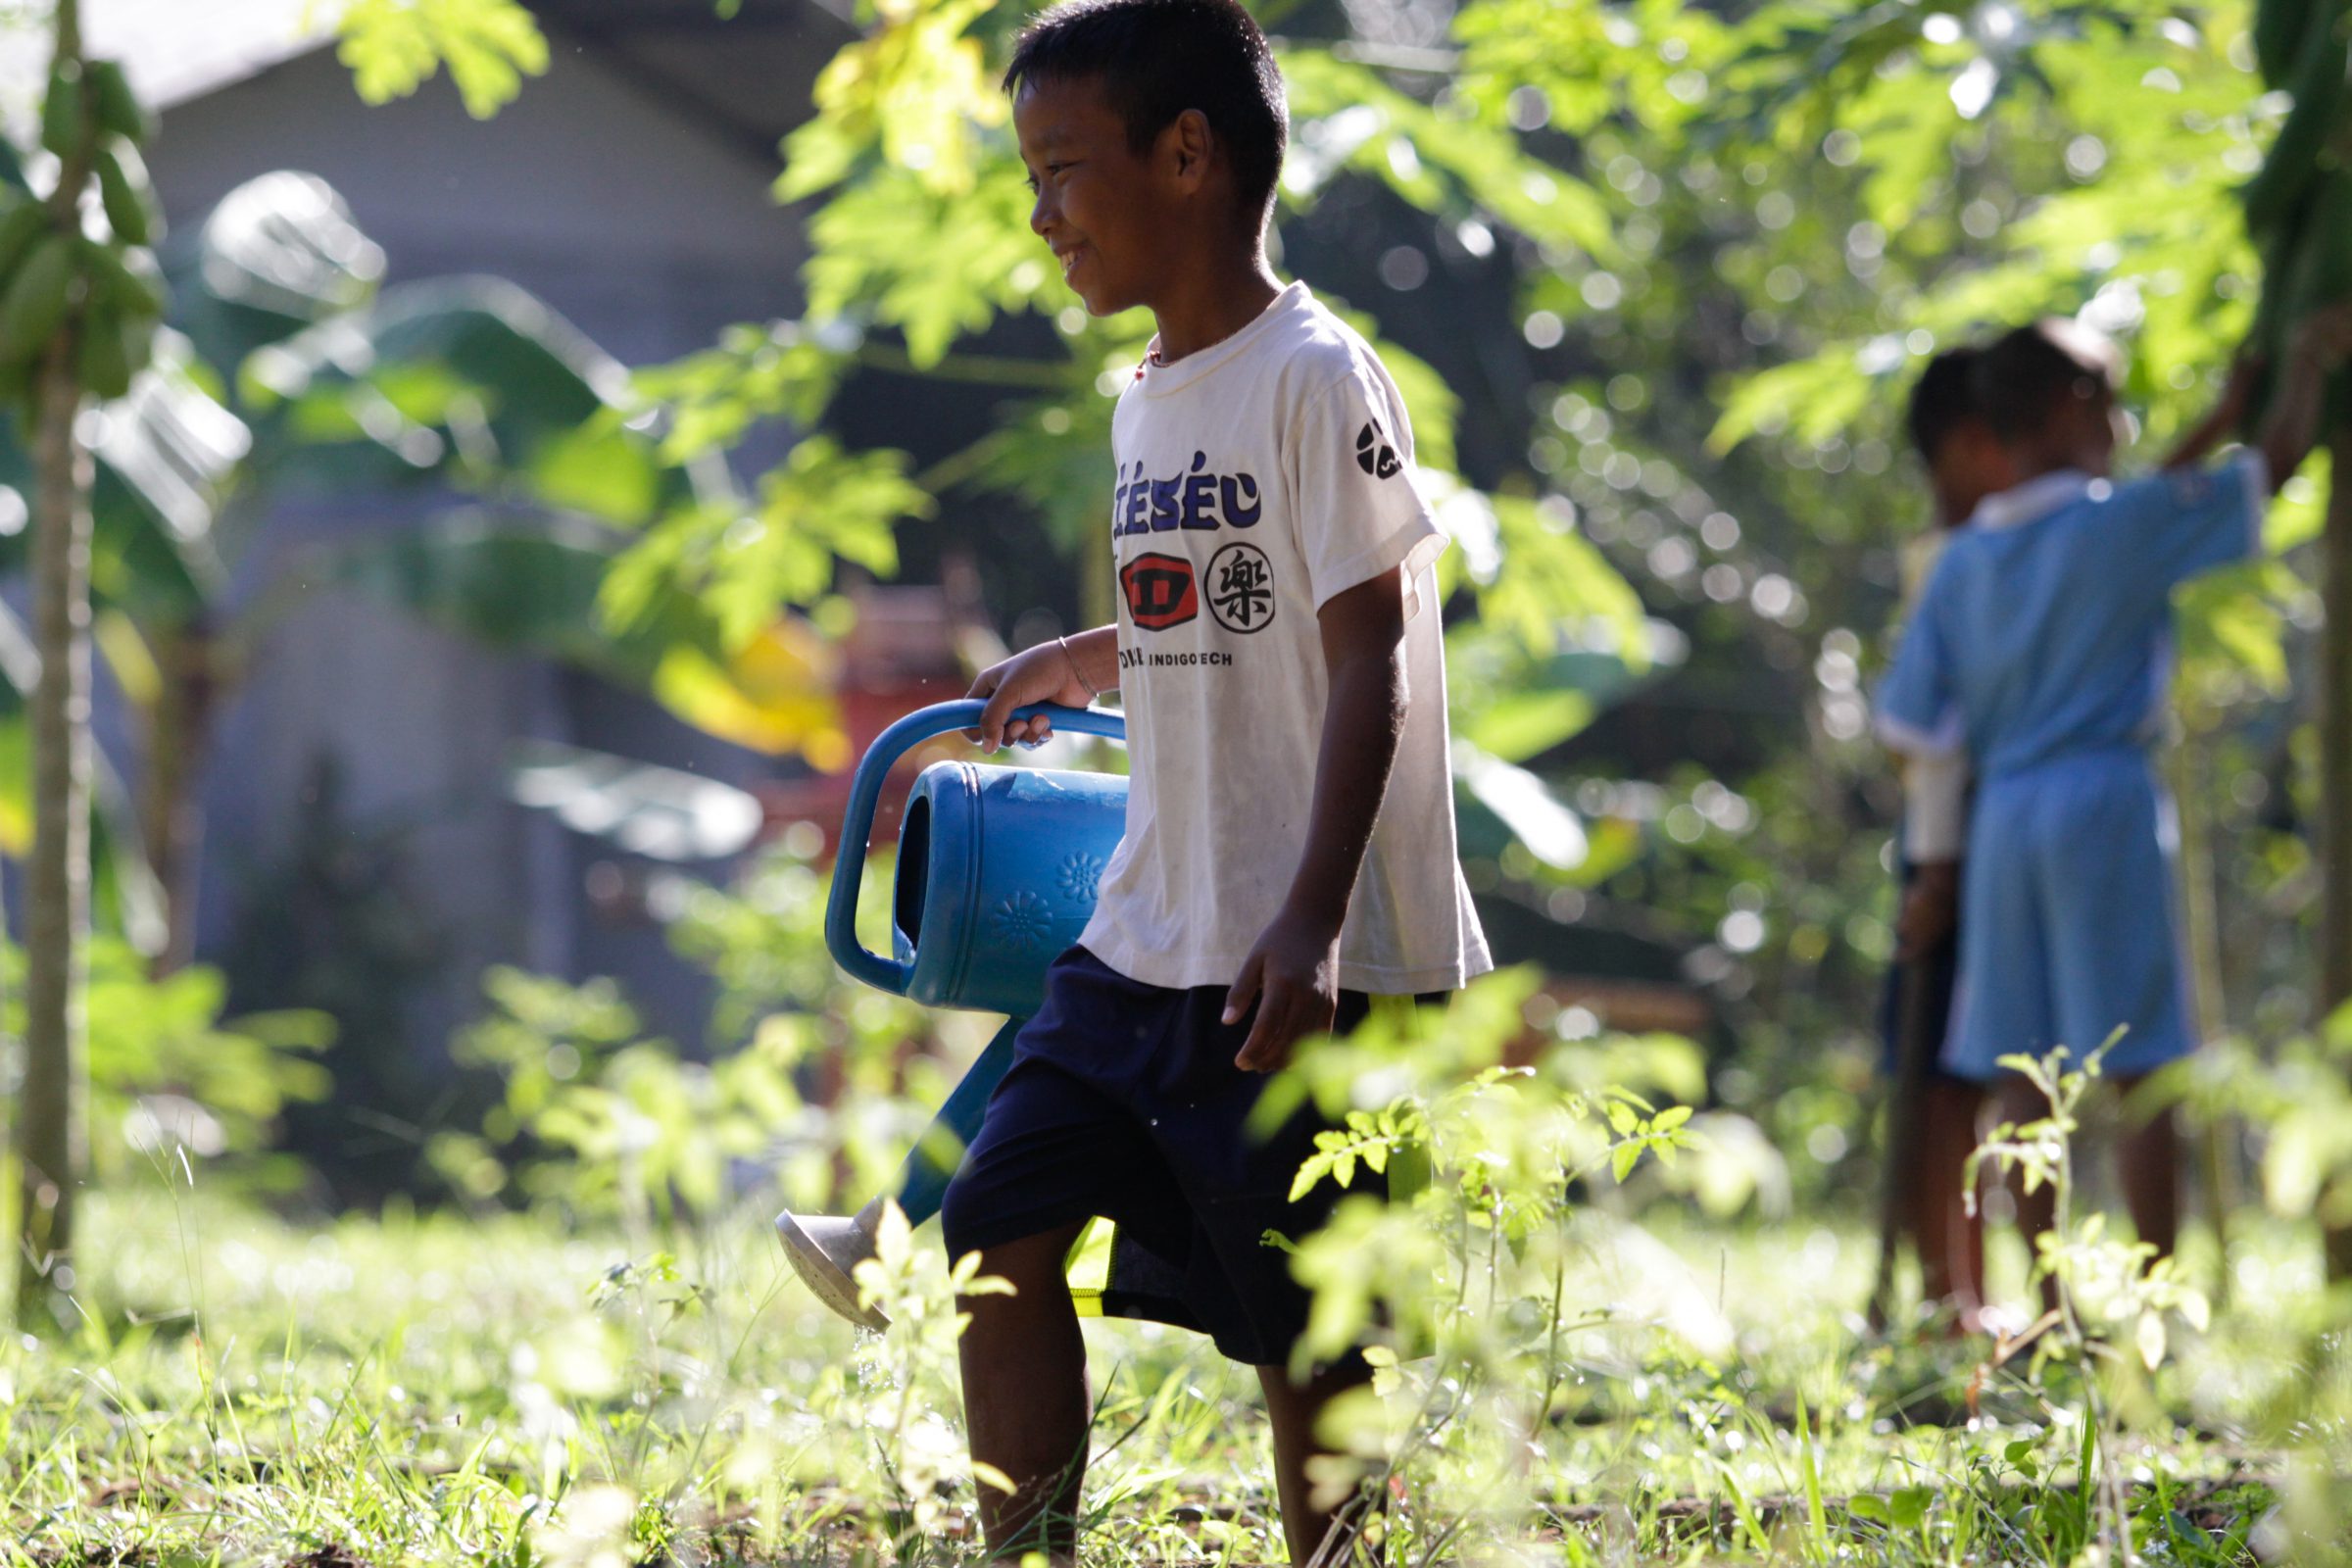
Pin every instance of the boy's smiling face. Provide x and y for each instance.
(1104, 208)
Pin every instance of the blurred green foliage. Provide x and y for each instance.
(395, 46)
(816, 1084)
(172, 1078)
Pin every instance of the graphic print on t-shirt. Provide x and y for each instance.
(1257, 480)
(1161, 591)
(1240, 588)
(1197, 498)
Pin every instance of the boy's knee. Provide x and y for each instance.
(2016, 1098)
(1029, 1261)
(959, 1219)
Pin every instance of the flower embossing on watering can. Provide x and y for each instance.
(1021, 921)
(1082, 878)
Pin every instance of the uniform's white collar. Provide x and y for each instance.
(2036, 499)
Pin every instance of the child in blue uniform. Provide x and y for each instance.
(2040, 650)
(1289, 854)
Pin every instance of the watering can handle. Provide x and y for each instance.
(865, 794)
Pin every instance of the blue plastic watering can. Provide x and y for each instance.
(997, 867)
(998, 873)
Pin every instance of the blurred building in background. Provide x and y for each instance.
(628, 191)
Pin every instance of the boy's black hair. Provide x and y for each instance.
(2029, 371)
(1943, 399)
(1157, 57)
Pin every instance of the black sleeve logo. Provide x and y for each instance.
(1374, 455)
(1161, 591)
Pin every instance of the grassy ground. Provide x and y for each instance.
(438, 1389)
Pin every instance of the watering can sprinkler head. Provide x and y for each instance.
(825, 1250)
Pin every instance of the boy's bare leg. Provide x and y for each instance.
(2150, 1158)
(2017, 1102)
(1026, 1399)
(1292, 1411)
(1951, 1240)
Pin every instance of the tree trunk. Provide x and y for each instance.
(52, 1137)
(2335, 768)
(2202, 926)
(178, 736)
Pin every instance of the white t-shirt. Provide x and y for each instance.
(1935, 788)
(1257, 478)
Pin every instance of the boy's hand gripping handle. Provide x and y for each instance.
(865, 794)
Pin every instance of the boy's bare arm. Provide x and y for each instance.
(1931, 909)
(2293, 423)
(1071, 671)
(1294, 970)
(2226, 416)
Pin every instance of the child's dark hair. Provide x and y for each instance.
(1943, 399)
(2029, 371)
(1158, 58)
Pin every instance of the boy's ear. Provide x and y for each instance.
(1188, 144)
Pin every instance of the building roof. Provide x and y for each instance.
(173, 50)
(178, 50)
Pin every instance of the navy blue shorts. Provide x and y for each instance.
(1123, 1103)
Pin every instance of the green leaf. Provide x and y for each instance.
(1554, 587)
(536, 585)
(780, 371)
(393, 47)
(1499, 804)
(913, 94)
(822, 506)
(1515, 725)
(937, 264)
(1435, 162)
(601, 469)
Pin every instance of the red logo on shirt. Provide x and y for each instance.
(1161, 591)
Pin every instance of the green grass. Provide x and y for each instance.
(443, 1389)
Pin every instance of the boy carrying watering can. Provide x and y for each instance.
(1288, 851)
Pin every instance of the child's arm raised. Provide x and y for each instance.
(1293, 970)
(2227, 415)
(2292, 423)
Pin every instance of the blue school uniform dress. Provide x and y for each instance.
(2042, 649)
